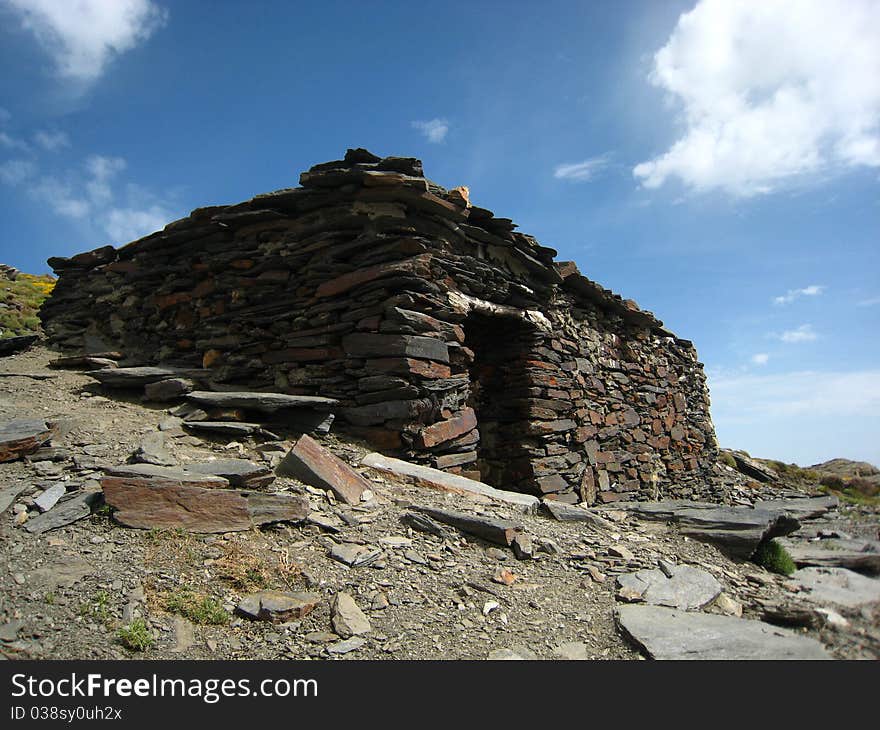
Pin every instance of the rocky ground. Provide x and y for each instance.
(66, 593)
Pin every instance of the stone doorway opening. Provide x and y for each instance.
(499, 392)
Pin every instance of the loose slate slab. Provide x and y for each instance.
(23, 436)
(8, 495)
(807, 508)
(50, 497)
(684, 587)
(500, 532)
(347, 618)
(13, 345)
(132, 378)
(277, 606)
(66, 511)
(859, 555)
(232, 429)
(752, 468)
(311, 463)
(160, 504)
(572, 513)
(239, 472)
(140, 473)
(262, 402)
(737, 531)
(666, 633)
(354, 555)
(837, 585)
(436, 479)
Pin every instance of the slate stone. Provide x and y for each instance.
(238, 472)
(231, 429)
(261, 402)
(311, 463)
(161, 504)
(807, 508)
(354, 555)
(753, 469)
(14, 345)
(365, 344)
(572, 513)
(8, 495)
(859, 555)
(152, 450)
(444, 431)
(132, 378)
(684, 587)
(137, 473)
(499, 532)
(737, 531)
(837, 585)
(47, 499)
(74, 507)
(163, 391)
(277, 606)
(437, 479)
(23, 436)
(347, 618)
(666, 633)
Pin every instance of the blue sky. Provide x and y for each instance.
(717, 162)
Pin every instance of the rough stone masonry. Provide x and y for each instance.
(448, 337)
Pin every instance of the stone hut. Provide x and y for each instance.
(448, 337)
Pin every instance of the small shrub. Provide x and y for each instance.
(831, 480)
(136, 636)
(728, 459)
(98, 608)
(775, 558)
(198, 608)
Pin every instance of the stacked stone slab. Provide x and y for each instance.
(447, 336)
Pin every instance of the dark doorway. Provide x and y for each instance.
(499, 396)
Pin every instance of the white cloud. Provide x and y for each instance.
(804, 333)
(51, 141)
(871, 302)
(813, 290)
(434, 130)
(745, 396)
(82, 36)
(13, 143)
(94, 195)
(127, 224)
(771, 91)
(804, 417)
(61, 197)
(760, 358)
(102, 170)
(14, 172)
(580, 171)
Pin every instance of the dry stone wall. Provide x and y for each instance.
(447, 336)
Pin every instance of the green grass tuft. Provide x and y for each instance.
(136, 636)
(775, 558)
(198, 608)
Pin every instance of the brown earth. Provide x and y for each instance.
(73, 588)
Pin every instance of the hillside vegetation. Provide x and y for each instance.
(20, 300)
(857, 482)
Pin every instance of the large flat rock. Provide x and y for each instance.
(158, 504)
(807, 508)
(859, 555)
(666, 633)
(13, 345)
(437, 479)
(23, 436)
(262, 402)
(133, 378)
(311, 463)
(737, 531)
(239, 472)
(680, 586)
(837, 585)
